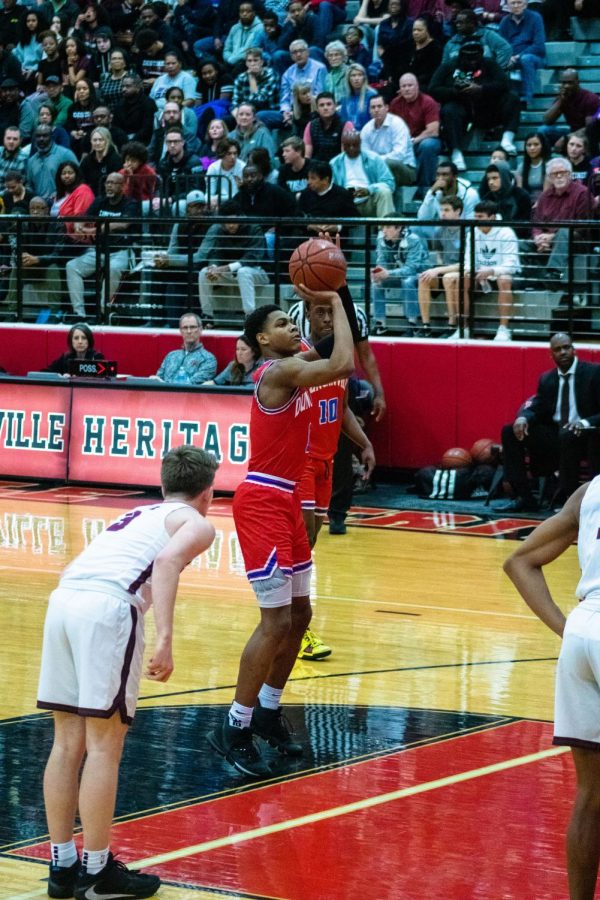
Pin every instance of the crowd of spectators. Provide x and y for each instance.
(262, 108)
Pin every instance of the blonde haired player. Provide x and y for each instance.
(92, 662)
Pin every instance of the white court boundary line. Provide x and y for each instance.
(323, 815)
(346, 809)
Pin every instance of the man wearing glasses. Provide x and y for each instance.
(564, 200)
(303, 68)
(178, 166)
(192, 364)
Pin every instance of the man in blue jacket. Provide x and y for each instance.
(366, 175)
(524, 31)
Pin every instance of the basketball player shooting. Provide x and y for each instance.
(270, 527)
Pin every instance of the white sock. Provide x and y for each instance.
(94, 861)
(269, 697)
(63, 854)
(240, 716)
(508, 136)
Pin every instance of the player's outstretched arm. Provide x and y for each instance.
(193, 535)
(298, 372)
(545, 544)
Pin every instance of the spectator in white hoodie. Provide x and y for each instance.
(495, 261)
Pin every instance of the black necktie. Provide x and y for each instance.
(564, 401)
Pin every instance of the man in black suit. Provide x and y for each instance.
(554, 428)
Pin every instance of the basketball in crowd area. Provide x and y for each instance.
(456, 458)
(481, 451)
(319, 265)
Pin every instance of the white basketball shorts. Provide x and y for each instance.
(577, 701)
(92, 654)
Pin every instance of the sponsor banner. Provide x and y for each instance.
(34, 430)
(120, 436)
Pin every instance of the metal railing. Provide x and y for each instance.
(149, 273)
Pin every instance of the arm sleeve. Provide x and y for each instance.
(348, 304)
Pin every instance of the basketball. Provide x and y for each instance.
(319, 265)
(481, 451)
(456, 458)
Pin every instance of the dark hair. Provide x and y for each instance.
(60, 188)
(79, 45)
(237, 370)
(135, 149)
(320, 168)
(133, 76)
(187, 470)
(176, 54)
(500, 149)
(230, 208)
(145, 38)
(93, 98)
(47, 104)
(453, 201)
(469, 14)
(546, 151)
(325, 95)
(174, 87)
(260, 158)
(25, 36)
(255, 322)
(444, 163)
(224, 145)
(486, 206)
(13, 175)
(80, 326)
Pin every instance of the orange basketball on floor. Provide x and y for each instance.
(481, 451)
(319, 265)
(456, 458)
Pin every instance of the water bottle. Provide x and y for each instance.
(181, 377)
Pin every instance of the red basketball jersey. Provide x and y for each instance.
(326, 423)
(279, 437)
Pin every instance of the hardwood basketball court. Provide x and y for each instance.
(428, 771)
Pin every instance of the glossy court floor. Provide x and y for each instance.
(428, 770)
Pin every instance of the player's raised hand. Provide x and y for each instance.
(318, 298)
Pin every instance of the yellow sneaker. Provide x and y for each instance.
(313, 647)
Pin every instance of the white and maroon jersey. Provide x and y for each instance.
(278, 437)
(588, 543)
(120, 559)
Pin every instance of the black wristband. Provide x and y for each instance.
(349, 309)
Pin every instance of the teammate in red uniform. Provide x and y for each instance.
(331, 416)
(270, 527)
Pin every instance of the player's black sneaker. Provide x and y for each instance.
(272, 726)
(115, 880)
(239, 749)
(61, 880)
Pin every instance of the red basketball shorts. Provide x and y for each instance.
(271, 531)
(315, 485)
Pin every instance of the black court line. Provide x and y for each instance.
(462, 665)
(9, 851)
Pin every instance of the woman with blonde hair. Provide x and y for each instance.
(102, 160)
(337, 62)
(355, 105)
(304, 107)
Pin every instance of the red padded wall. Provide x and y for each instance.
(439, 394)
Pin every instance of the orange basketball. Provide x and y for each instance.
(456, 458)
(481, 451)
(319, 265)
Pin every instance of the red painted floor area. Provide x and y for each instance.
(496, 836)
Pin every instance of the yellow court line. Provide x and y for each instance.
(336, 811)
